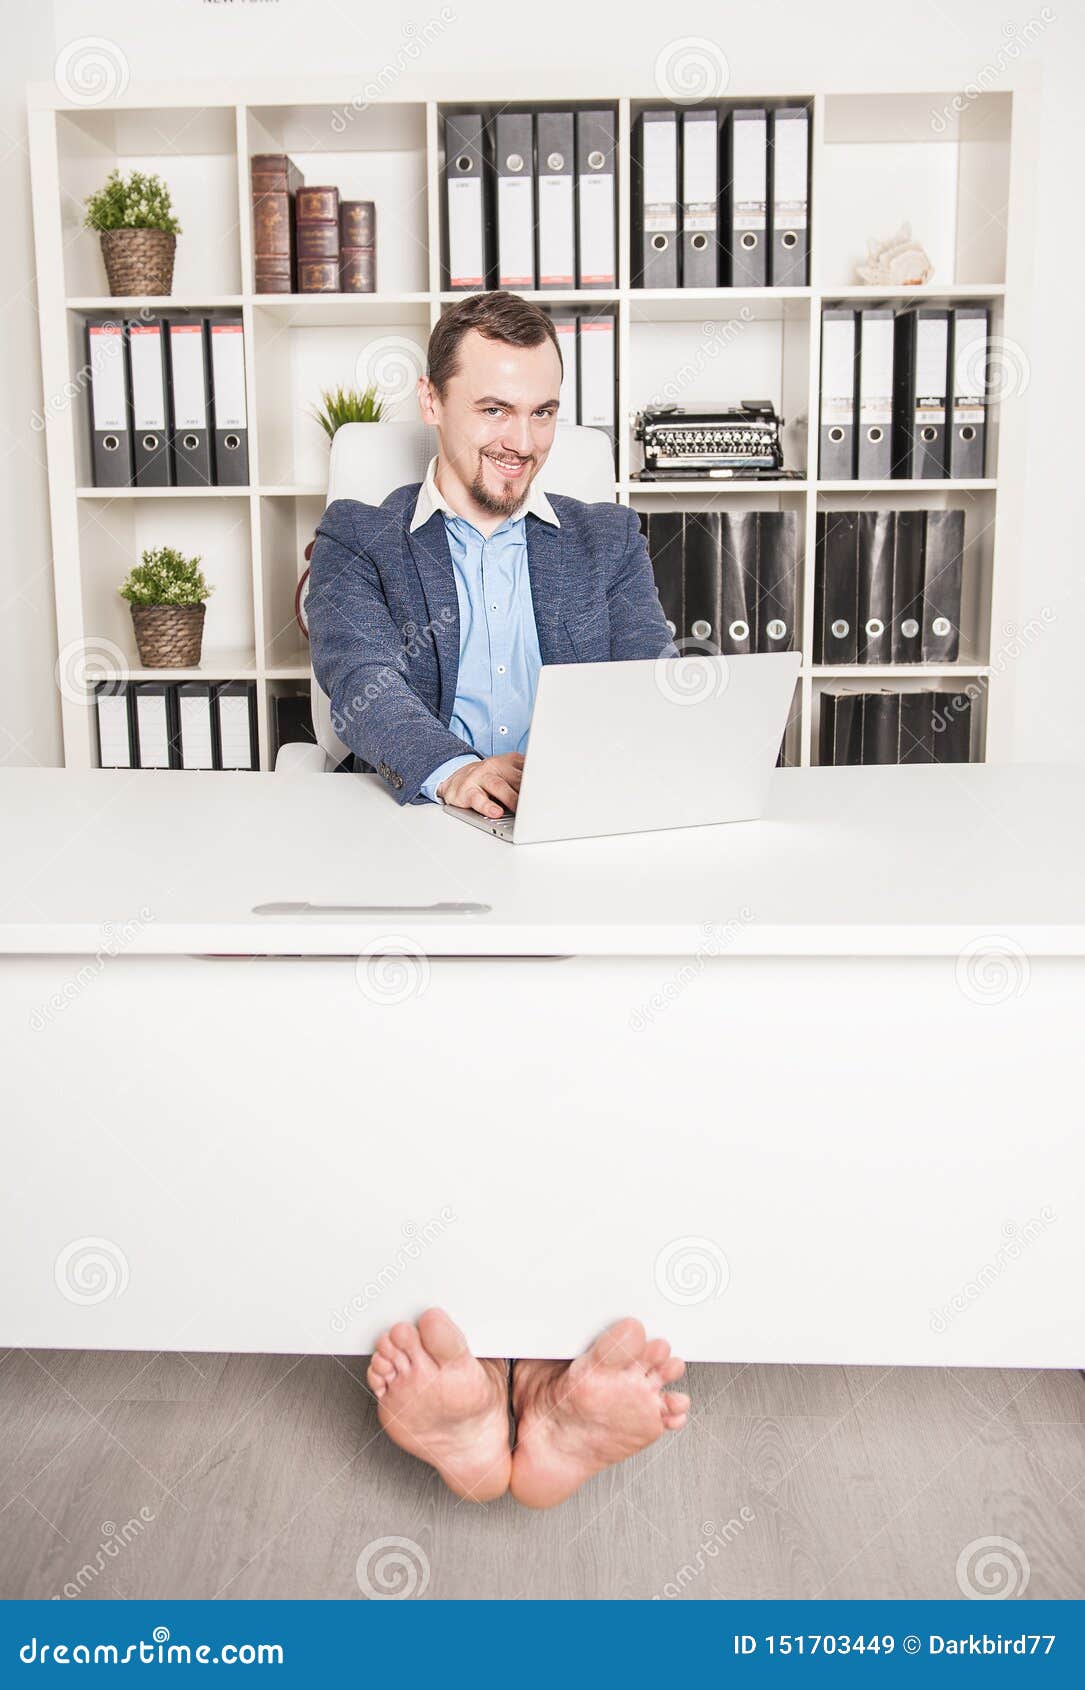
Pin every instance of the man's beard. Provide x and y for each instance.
(505, 502)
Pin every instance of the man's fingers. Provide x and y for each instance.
(477, 799)
(498, 787)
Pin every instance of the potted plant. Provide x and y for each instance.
(138, 232)
(347, 405)
(166, 592)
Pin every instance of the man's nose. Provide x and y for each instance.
(517, 436)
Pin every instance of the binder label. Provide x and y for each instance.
(699, 155)
(228, 374)
(837, 369)
(107, 377)
(597, 229)
(465, 264)
(189, 384)
(148, 387)
(597, 373)
(750, 188)
(660, 177)
(876, 370)
(196, 733)
(514, 221)
(789, 172)
(555, 231)
(234, 732)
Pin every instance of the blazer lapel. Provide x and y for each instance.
(428, 546)
(545, 556)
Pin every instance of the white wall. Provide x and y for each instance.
(781, 41)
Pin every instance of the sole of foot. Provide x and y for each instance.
(575, 1418)
(444, 1405)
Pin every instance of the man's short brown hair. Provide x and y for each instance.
(498, 316)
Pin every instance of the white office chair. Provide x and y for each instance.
(369, 460)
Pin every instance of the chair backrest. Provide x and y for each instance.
(369, 460)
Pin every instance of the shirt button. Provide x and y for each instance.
(502, 730)
(493, 607)
(501, 668)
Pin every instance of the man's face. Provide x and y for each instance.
(497, 418)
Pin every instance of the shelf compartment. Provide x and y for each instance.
(194, 151)
(977, 567)
(294, 363)
(111, 540)
(722, 357)
(939, 161)
(374, 152)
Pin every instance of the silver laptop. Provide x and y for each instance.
(656, 743)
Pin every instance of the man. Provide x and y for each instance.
(429, 618)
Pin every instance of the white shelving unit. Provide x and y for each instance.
(958, 163)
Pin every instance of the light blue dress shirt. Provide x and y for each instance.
(499, 645)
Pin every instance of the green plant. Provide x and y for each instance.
(347, 405)
(133, 202)
(165, 576)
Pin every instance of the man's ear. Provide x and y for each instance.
(427, 399)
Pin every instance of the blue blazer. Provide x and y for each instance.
(384, 627)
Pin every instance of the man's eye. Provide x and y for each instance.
(492, 409)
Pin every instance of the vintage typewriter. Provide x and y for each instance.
(717, 442)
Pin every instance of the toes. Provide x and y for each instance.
(406, 1340)
(377, 1380)
(674, 1403)
(382, 1366)
(672, 1370)
(655, 1354)
(386, 1348)
(620, 1345)
(440, 1336)
(673, 1422)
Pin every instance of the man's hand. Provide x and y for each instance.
(485, 786)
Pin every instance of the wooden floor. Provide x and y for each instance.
(268, 1476)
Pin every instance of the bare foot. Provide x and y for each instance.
(574, 1418)
(437, 1401)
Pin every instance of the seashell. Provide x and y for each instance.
(899, 261)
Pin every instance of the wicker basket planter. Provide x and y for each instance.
(169, 636)
(138, 261)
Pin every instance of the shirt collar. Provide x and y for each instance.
(430, 499)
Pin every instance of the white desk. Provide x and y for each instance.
(761, 1085)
